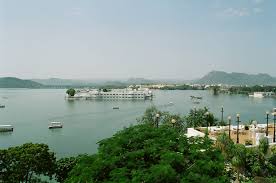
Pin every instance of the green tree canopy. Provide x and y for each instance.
(143, 153)
(64, 166)
(71, 92)
(21, 163)
(200, 117)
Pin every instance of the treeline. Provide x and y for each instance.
(182, 87)
(153, 151)
(251, 89)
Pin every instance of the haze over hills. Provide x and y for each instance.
(12, 82)
(234, 78)
(62, 82)
(214, 77)
(92, 82)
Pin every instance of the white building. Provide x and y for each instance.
(127, 93)
(261, 94)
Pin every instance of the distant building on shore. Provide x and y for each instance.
(262, 94)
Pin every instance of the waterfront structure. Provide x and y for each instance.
(127, 93)
(248, 136)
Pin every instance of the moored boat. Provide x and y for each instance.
(6, 128)
(194, 97)
(55, 124)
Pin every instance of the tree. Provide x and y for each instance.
(239, 159)
(83, 170)
(198, 118)
(21, 163)
(64, 166)
(71, 92)
(174, 120)
(263, 145)
(149, 116)
(259, 162)
(165, 118)
(225, 145)
(143, 153)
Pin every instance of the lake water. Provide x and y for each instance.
(88, 121)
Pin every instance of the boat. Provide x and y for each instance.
(55, 124)
(2, 106)
(116, 107)
(6, 128)
(170, 103)
(194, 97)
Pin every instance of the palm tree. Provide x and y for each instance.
(239, 159)
(263, 145)
(225, 145)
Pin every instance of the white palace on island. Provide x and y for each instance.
(127, 93)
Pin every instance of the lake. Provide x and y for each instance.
(88, 121)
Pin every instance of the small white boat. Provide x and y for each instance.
(116, 107)
(6, 128)
(55, 124)
(170, 103)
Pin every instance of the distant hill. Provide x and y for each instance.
(61, 82)
(140, 81)
(234, 78)
(12, 82)
(95, 83)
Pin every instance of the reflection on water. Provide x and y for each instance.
(6, 133)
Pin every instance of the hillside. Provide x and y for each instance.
(91, 82)
(140, 81)
(61, 82)
(219, 77)
(12, 82)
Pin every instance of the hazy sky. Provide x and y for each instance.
(182, 39)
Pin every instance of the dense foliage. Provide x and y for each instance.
(21, 163)
(182, 87)
(71, 92)
(200, 117)
(166, 118)
(251, 89)
(248, 163)
(144, 153)
(64, 166)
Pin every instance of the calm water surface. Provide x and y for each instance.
(88, 121)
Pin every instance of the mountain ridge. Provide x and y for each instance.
(236, 78)
(213, 77)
